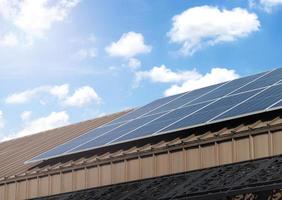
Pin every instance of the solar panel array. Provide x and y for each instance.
(233, 99)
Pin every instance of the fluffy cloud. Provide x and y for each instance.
(54, 120)
(183, 81)
(2, 122)
(129, 45)
(202, 26)
(82, 96)
(35, 17)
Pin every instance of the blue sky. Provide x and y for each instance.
(64, 61)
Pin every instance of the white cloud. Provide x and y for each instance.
(86, 53)
(35, 17)
(268, 5)
(54, 120)
(129, 45)
(202, 26)
(60, 91)
(25, 116)
(82, 96)
(183, 81)
(9, 40)
(134, 63)
(2, 121)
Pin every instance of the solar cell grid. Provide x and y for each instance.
(215, 103)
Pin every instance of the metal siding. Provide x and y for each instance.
(277, 142)
(133, 169)
(162, 162)
(225, 152)
(118, 172)
(177, 161)
(243, 149)
(193, 158)
(43, 186)
(105, 174)
(93, 177)
(32, 188)
(56, 184)
(80, 179)
(261, 148)
(147, 166)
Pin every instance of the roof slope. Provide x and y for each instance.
(262, 176)
(15, 152)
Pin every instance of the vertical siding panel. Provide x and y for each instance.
(55, 184)
(67, 181)
(133, 169)
(2, 192)
(43, 186)
(118, 172)
(21, 190)
(225, 152)
(277, 141)
(93, 177)
(208, 155)
(177, 161)
(261, 145)
(80, 176)
(162, 161)
(11, 191)
(147, 167)
(193, 158)
(105, 175)
(32, 188)
(242, 149)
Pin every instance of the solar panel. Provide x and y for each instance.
(240, 97)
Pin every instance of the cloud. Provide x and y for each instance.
(183, 81)
(198, 27)
(60, 91)
(2, 121)
(25, 116)
(134, 63)
(35, 17)
(86, 53)
(129, 45)
(9, 40)
(53, 120)
(82, 96)
(266, 5)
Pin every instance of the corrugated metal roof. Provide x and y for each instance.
(15, 152)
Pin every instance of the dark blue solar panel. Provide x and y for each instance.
(264, 81)
(258, 103)
(186, 99)
(161, 122)
(77, 141)
(277, 104)
(145, 109)
(230, 87)
(130, 126)
(210, 111)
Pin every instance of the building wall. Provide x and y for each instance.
(151, 165)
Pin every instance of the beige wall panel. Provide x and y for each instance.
(242, 149)
(2, 192)
(261, 148)
(32, 188)
(133, 169)
(177, 161)
(147, 167)
(277, 142)
(105, 174)
(208, 156)
(11, 191)
(162, 162)
(225, 152)
(43, 186)
(67, 181)
(193, 158)
(55, 184)
(21, 190)
(118, 172)
(80, 179)
(92, 177)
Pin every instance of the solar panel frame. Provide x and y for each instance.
(272, 107)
